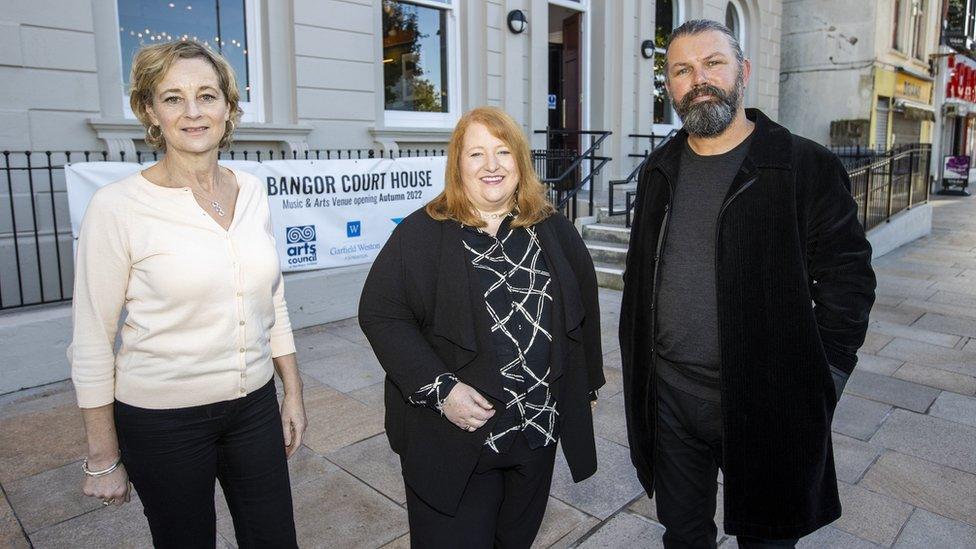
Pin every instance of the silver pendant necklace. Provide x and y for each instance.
(214, 203)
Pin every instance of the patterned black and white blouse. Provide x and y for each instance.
(515, 281)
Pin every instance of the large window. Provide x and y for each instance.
(223, 25)
(733, 20)
(665, 20)
(416, 65)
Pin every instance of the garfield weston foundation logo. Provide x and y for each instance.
(301, 245)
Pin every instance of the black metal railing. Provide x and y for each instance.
(855, 156)
(655, 141)
(568, 174)
(36, 245)
(894, 183)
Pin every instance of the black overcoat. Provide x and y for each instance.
(424, 317)
(795, 287)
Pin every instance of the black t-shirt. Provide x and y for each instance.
(687, 315)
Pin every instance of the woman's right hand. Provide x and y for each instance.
(113, 488)
(466, 408)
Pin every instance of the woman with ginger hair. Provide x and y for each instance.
(482, 308)
(185, 248)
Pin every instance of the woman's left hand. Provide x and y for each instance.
(293, 421)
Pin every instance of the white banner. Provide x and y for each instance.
(325, 213)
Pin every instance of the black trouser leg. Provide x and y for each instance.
(686, 463)
(173, 457)
(685, 473)
(253, 472)
(502, 506)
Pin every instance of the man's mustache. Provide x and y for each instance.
(704, 89)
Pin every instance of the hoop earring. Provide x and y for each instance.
(158, 135)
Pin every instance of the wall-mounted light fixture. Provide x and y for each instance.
(517, 22)
(647, 49)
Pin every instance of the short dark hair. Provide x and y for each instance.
(698, 26)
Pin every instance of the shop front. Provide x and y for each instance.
(955, 127)
(903, 111)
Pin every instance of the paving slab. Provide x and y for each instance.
(967, 287)
(560, 521)
(110, 527)
(914, 333)
(613, 486)
(955, 407)
(372, 395)
(852, 457)
(11, 534)
(952, 298)
(337, 510)
(347, 371)
(50, 497)
(316, 342)
(609, 421)
(936, 378)
(45, 397)
(373, 462)
(336, 420)
(970, 346)
(925, 529)
(830, 537)
(347, 329)
(614, 384)
(947, 324)
(874, 341)
(858, 417)
(572, 538)
(402, 542)
(877, 364)
(897, 392)
(953, 360)
(626, 530)
(931, 438)
(871, 516)
(34, 442)
(612, 360)
(936, 488)
(935, 307)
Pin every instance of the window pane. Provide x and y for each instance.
(414, 57)
(664, 24)
(732, 20)
(219, 24)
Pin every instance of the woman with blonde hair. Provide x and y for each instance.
(185, 248)
(482, 308)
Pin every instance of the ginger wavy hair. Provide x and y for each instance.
(149, 68)
(531, 205)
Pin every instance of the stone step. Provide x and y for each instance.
(609, 276)
(612, 254)
(606, 232)
(603, 216)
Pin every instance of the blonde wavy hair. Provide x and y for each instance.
(149, 68)
(531, 204)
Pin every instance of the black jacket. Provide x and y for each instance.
(788, 237)
(423, 317)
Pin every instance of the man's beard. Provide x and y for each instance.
(710, 117)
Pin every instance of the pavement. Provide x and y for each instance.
(904, 435)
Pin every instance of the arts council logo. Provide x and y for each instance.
(301, 245)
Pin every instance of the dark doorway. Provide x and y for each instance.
(565, 92)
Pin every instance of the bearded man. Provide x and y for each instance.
(746, 296)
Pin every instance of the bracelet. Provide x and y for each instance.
(103, 472)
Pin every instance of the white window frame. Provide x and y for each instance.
(678, 6)
(253, 110)
(416, 119)
(743, 30)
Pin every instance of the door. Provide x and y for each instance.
(571, 90)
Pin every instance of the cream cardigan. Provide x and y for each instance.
(205, 307)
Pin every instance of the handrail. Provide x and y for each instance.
(628, 206)
(562, 200)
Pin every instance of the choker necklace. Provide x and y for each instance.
(492, 215)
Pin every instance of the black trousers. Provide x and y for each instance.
(686, 464)
(502, 506)
(174, 456)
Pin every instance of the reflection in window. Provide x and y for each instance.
(664, 24)
(219, 24)
(414, 57)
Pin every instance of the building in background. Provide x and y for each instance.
(858, 73)
(955, 92)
